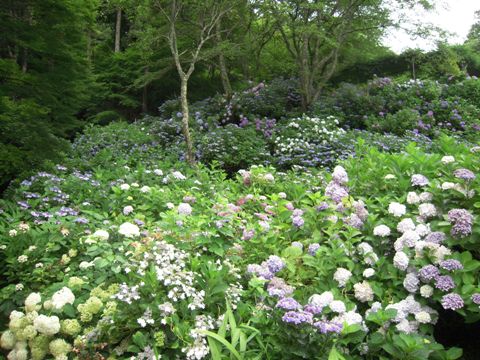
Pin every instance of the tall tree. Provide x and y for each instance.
(316, 31)
(191, 25)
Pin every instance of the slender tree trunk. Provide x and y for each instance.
(145, 95)
(25, 60)
(118, 27)
(227, 88)
(185, 119)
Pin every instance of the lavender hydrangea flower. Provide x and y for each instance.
(428, 273)
(444, 283)
(297, 317)
(464, 174)
(274, 263)
(462, 222)
(297, 221)
(313, 309)
(451, 265)
(277, 287)
(297, 245)
(476, 298)
(452, 301)
(325, 327)
(419, 180)
(313, 248)
(436, 237)
(288, 303)
(323, 206)
(336, 192)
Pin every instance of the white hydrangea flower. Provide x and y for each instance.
(400, 260)
(184, 209)
(127, 210)
(178, 175)
(47, 325)
(397, 209)
(341, 276)
(22, 258)
(390, 177)
(363, 291)
(322, 299)
(85, 265)
(12, 233)
(282, 195)
(427, 210)
(423, 229)
(170, 205)
(447, 159)
(426, 291)
(62, 297)
(405, 225)
(368, 273)
(145, 189)
(426, 196)
(411, 282)
(448, 185)
(129, 230)
(269, 177)
(409, 238)
(337, 306)
(423, 317)
(364, 248)
(381, 230)
(124, 187)
(101, 235)
(440, 253)
(158, 172)
(406, 326)
(32, 300)
(412, 198)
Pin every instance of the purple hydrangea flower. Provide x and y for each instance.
(313, 309)
(247, 234)
(297, 221)
(323, 206)
(297, 244)
(313, 248)
(278, 287)
(451, 265)
(328, 326)
(462, 222)
(274, 263)
(476, 298)
(428, 273)
(452, 301)
(436, 237)
(419, 180)
(464, 174)
(444, 283)
(335, 191)
(297, 317)
(288, 303)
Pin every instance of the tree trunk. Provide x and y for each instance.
(185, 118)
(227, 88)
(118, 27)
(25, 60)
(145, 95)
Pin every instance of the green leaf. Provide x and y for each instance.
(335, 355)
(224, 343)
(139, 339)
(214, 349)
